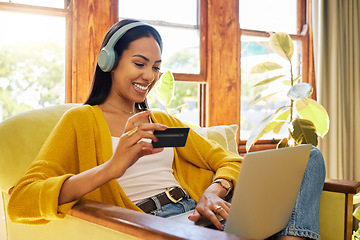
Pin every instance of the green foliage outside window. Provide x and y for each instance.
(31, 76)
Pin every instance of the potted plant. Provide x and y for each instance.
(356, 214)
(304, 117)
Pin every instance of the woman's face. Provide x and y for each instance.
(137, 70)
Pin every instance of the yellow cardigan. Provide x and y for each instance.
(82, 140)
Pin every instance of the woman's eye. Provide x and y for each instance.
(156, 68)
(139, 64)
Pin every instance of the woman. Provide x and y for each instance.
(102, 151)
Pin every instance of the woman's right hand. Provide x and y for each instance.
(128, 151)
(130, 148)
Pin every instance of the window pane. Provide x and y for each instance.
(32, 60)
(184, 11)
(265, 15)
(256, 50)
(185, 93)
(43, 3)
(181, 53)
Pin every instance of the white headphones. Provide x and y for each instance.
(107, 55)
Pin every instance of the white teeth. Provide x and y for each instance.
(143, 88)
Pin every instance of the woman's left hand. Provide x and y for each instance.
(210, 204)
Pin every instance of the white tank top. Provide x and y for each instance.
(149, 176)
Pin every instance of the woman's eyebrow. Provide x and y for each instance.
(145, 58)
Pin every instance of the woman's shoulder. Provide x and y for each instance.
(81, 112)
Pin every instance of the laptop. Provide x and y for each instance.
(265, 194)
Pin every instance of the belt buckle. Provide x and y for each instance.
(167, 192)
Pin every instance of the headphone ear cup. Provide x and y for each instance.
(106, 60)
(115, 62)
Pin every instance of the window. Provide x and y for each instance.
(276, 16)
(42, 3)
(32, 60)
(273, 15)
(180, 32)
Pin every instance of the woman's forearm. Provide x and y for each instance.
(81, 184)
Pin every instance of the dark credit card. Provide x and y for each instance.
(171, 137)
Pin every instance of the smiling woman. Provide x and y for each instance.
(109, 138)
(28, 43)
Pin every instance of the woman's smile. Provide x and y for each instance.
(141, 88)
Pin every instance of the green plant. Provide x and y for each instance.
(356, 214)
(165, 89)
(305, 118)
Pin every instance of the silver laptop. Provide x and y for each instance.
(266, 191)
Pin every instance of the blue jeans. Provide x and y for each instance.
(305, 217)
(172, 209)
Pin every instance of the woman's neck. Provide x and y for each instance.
(122, 109)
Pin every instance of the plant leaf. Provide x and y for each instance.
(275, 126)
(298, 66)
(288, 82)
(265, 67)
(178, 109)
(268, 80)
(259, 98)
(281, 43)
(297, 78)
(300, 91)
(258, 131)
(283, 143)
(356, 199)
(165, 88)
(356, 212)
(283, 115)
(315, 112)
(303, 131)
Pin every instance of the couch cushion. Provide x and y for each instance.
(225, 135)
(21, 138)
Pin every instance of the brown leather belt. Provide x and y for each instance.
(172, 195)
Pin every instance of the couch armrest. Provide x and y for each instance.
(140, 225)
(336, 207)
(341, 186)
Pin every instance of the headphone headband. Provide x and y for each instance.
(107, 55)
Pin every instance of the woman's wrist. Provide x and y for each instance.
(217, 190)
(109, 171)
(224, 184)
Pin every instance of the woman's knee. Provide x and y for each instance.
(316, 163)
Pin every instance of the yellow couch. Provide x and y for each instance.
(22, 136)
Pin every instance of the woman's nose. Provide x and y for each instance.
(149, 75)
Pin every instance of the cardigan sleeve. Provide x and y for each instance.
(35, 197)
